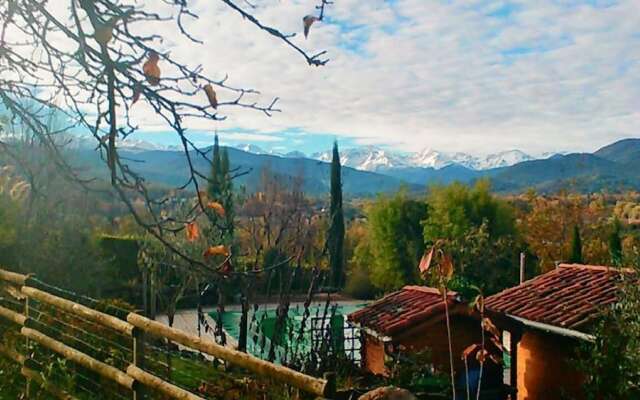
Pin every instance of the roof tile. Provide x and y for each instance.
(400, 310)
(571, 296)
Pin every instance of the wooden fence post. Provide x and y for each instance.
(27, 341)
(138, 361)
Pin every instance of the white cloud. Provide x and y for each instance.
(550, 75)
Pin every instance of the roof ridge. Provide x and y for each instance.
(605, 268)
(429, 289)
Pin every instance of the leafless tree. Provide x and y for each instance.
(90, 63)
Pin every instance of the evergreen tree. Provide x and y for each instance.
(215, 189)
(227, 191)
(615, 244)
(220, 187)
(575, 256)
(335, 239)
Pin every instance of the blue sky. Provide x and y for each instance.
(477, 76)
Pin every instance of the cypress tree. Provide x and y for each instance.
(220, 187)
(576, 247)
(226, 190)
(335, 239)
(215, 181)
(615, 244)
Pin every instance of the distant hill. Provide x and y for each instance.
(576, 172)
(613, 168)
(170, 168)
(623, 151)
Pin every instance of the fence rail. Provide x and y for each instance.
(132, 375)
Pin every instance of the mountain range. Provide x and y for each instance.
(372, 158)
(370, 170)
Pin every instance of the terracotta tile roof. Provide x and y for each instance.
(402, 309)
(570, 296)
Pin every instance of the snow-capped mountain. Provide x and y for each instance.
(501, 159)
(371, 158)
(368, 158)
(251, 148)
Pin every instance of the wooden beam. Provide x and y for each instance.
(160, 385)
(80, 310)
(308, 384)
(12, 354)
(12, 316)
(35, 377)
(16, 279)
(80, 358)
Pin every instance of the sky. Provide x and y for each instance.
(475, 76)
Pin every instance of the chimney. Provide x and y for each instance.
(522, 260)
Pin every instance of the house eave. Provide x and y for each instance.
(571, 333)
(372, 333)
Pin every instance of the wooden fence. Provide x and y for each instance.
(134, 378)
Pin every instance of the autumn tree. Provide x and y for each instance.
(335, 239)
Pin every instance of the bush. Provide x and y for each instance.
(359, 284)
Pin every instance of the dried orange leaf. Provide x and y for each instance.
(481, 356)
(219, 250)
(307, 21)
(469, 350)
(425, 262)
(137, 91)
(211, 95)
(488, 326)
(227, 267)
(192, 231)
(446, 267)
(151, 69)
(217, 207)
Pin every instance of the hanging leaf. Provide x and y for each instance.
(425, 262)
(137, 91)
(479, 303)
(307, 21)
(488, 326)
(227, 268)
(192, 231)
(481, 356)
(220, 250)
(469, 350)
(211, 95)
(495, 358)
(217, 207)
(104, 32)
(151, 69)
(446, 267)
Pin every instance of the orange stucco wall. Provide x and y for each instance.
(373, 354)
(544, 368)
